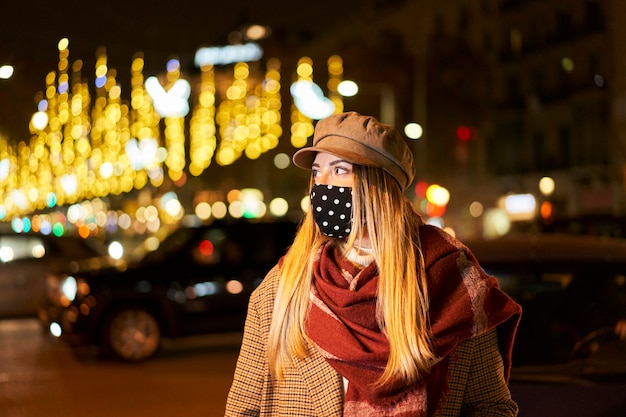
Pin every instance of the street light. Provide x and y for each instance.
(6, 71)
(349, 88)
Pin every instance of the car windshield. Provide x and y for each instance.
(16, 247)
(226, 243)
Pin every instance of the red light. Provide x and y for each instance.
(546, 210)
(206, 248)
(420, 189)
(464, 133)
(434, 210)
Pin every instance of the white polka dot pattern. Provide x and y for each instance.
(332, 209)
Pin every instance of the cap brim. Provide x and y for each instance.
(304, 157)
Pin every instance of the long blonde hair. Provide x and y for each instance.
(402, 302)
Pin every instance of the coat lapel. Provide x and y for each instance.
(323, 382)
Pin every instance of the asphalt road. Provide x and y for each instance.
(41, 378)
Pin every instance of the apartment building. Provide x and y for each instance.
(508, 92)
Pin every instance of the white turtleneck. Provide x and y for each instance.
(360, 256)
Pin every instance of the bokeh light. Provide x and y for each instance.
(413, 130)
(282, 161)
(437, 195)
(476, 209)
(547, 185)
(116, 250)
(6, 71)
(279, 207)
(348, 88)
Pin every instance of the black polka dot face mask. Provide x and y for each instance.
(332, 209)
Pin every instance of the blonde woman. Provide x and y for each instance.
(371, 312)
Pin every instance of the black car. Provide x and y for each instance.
(198, 281)
(570, 287)
(27, 258)
(567, 359)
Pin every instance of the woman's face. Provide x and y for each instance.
(329, 169)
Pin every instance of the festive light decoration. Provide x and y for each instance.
(301, 125)
(248, 122)
(335, 76)
(202, 131)
(143, 149)
(309, 100)
(228, 54)
(88, 142)
(175, 109)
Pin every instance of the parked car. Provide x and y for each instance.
(27, 258)
(569, 287)
(567, 359)
(198, 281)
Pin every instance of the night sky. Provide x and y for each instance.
(31, 29)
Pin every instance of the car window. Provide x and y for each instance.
(258, 244)
(170, 246)
(26, 247)
(228, 244)
(74, 247)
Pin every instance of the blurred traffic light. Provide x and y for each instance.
(466, 133)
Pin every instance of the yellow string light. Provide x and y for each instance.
(174, 135)
(144, 127)
(232, 117)
(81, 154)
(335, 76)
(301, 126)
(202, 139)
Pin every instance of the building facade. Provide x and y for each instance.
(508, 92)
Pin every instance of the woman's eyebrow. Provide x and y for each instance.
(332, 163)
(339, 161)
(335, 162)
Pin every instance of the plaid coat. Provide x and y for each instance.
(311, 387)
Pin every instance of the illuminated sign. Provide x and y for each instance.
(310, 100)
(223, 55)
(171, 103)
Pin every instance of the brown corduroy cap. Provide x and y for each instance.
(361, 140)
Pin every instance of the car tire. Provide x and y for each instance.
(593, 341)
(131, 334)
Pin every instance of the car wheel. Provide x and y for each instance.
(592, 342)
(132, 334)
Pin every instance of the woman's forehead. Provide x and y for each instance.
(328, 158)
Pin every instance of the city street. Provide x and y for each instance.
(39, 377)
(191, 377)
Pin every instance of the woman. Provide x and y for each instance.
(371, 312)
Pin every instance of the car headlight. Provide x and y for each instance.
(69, 288)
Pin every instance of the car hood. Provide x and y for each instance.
(96, 265)
(608, 364)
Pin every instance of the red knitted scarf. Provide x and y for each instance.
(342, 325)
